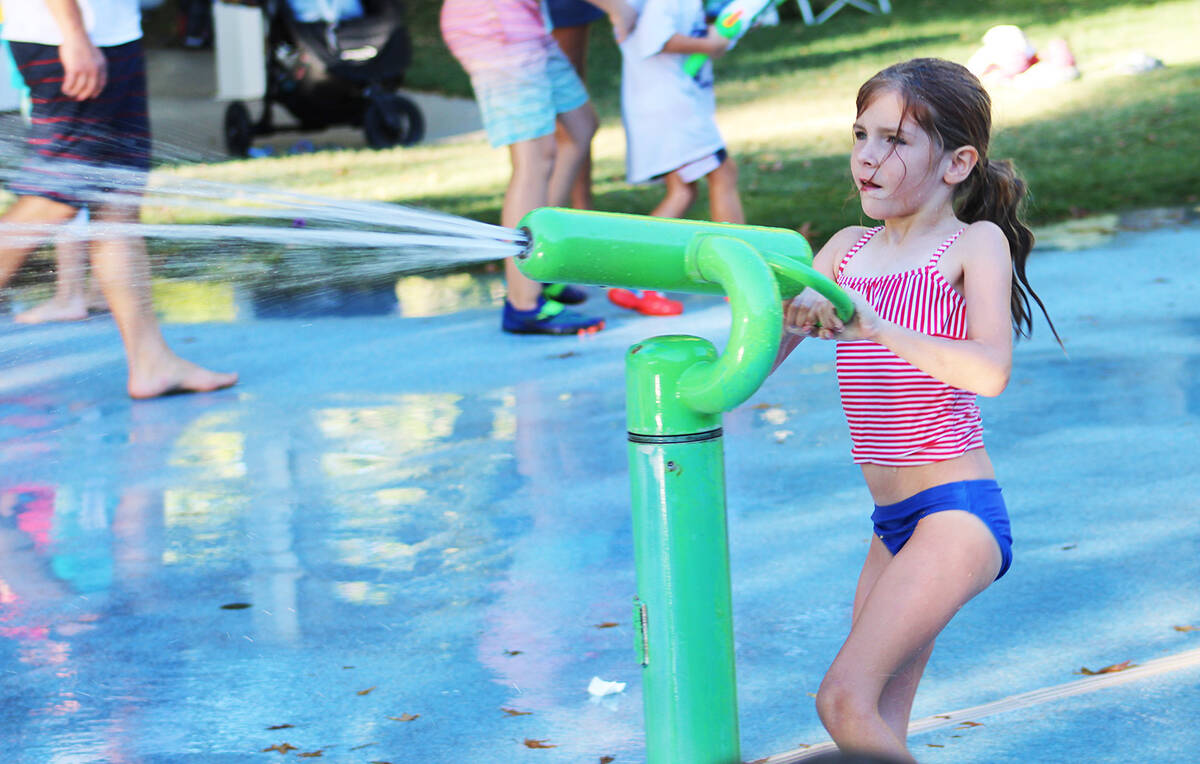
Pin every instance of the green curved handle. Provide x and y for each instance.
(754, 335)
(794, 275)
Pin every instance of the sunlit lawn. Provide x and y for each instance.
(1105, 142)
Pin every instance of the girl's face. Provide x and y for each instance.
(896, 166)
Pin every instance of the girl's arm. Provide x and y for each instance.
(824, 262)
(621, 14)
(713, 45)
(981, 363)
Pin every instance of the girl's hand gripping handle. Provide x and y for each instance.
(811, 314)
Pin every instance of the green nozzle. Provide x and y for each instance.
(641, 252)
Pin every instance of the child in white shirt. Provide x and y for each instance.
(670, 122)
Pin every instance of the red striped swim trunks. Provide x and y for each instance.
(81, 149)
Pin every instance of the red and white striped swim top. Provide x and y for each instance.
(899, 415)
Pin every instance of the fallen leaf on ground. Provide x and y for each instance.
(606, 759)
(531, 743)
(513, 652)
(1187, 628)
(934, 745)
(405, 717)
(964, 725)
(366, 691)
(282, 748)
(235, 606)
(761, 406)
(1108, 669)
(280, 727)
(515, 712)
(311, 755)
(607, 625)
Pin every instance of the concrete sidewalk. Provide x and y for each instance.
(188, 120)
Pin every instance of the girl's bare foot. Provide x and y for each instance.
(174, 375)
(54, 309)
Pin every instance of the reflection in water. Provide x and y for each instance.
(192, 302)
(363, 530)
(212, 446)
(448, 293)
(189, 301)
(568, 573)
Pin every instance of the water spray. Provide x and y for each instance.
(676, 389)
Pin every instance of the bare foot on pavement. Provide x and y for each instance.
(53, 309)
(175, 375)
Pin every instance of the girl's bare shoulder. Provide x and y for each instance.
(983, 239)
(837, 247)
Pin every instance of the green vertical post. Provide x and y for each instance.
(683, 620)
(676, 389)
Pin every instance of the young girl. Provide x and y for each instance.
(935, 297)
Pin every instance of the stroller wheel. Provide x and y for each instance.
(239, 130)
(393, 119)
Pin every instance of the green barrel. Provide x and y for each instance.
(683, 620)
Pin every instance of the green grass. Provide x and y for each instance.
(1103, 143)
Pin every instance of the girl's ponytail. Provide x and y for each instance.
(995, 192)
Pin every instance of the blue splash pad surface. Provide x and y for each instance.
(392, 518)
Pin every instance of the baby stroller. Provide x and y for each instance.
(340, 66)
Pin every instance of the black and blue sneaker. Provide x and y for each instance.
(549, 317)
(564, 293)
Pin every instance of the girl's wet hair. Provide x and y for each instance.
(950, 104)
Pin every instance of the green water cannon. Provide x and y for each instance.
(677, 387)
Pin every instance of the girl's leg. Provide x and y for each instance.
(895, 704)
(679, 198)
(573, 141)
(532, 165)
(951, 557)
(573, 41)
(724, 202)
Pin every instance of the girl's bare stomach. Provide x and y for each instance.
(889, 485)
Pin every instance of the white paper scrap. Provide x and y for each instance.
(600, 687)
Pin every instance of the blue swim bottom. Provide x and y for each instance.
(895, 523)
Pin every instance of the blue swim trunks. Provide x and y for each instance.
(895, 523)
(81, 148)
(572, 13)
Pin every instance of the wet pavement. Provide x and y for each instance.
(405, 536)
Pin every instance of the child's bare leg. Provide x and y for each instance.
(724, 201)
(895, 703)
(528, 188)
(578, 126)
(678, 199)
(951, 557)
(70, 300)
(16, 244)
(573, 42)
(123, 270)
